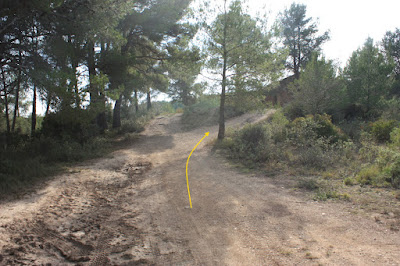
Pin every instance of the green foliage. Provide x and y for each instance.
(381, 129)
(308, 184)
(315, 127)
(75, 124)
(394, 173)
(318, 90)
(367, 77)
(253, 144)
(395, 137)
(382, 163)
(240, 50)
(370, 175)
(27, 161)
(391, 108)
(309, 141)
(183, 68)
(391, 44)
(348, 181)
(300, 37)
(325, 194)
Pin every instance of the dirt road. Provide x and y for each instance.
(131, 208)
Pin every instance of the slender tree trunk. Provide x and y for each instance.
(136, 101)
(101, 117)
(33, 126)
(185, 97)
(6, 101)
(16, 106)
(221, 129)
(148, 100)
(297, 70)
(75, 82)
(117, 113)
(7, 112)
(48, 104)
(92, 72)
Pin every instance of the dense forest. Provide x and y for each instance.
(89, 62)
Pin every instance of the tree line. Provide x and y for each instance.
(80, 56)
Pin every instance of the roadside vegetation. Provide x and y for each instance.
(336, 138)
(337, 134)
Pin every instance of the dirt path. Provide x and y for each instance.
(131, 209)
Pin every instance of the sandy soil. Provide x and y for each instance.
(131, 208)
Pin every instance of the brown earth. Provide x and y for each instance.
(131, 208)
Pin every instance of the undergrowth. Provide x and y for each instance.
(313, 145)
(27, 161)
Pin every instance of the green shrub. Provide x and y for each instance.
(371, 175)
(317, 142)
(381, 129)
(308, 184)
(395, 137)
(315, 127)
(395, 174)
(253, 144)
(348, 181)
(278, 126)
(71, 123)
(325, 194)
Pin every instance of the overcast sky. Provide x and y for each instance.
(350, 22)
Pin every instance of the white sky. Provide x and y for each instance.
(350, 22)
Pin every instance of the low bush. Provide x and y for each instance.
(381, 129)
(370, 175)
(308, 141)
(252, 145)
(315, 127)
(395, 137)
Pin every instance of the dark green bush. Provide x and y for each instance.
(71, 123)
(315, 127)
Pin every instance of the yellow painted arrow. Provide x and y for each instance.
(187, 164)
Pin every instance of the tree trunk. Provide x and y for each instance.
(117, 113)
(6, 101)
(33, 126)
(148, 100)
(48, 104)
(7, 112)
(75, 82)
(102, 117)
(221, 129)
(16, 106)
(136, 101)
(185, 96)
(92, 72)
